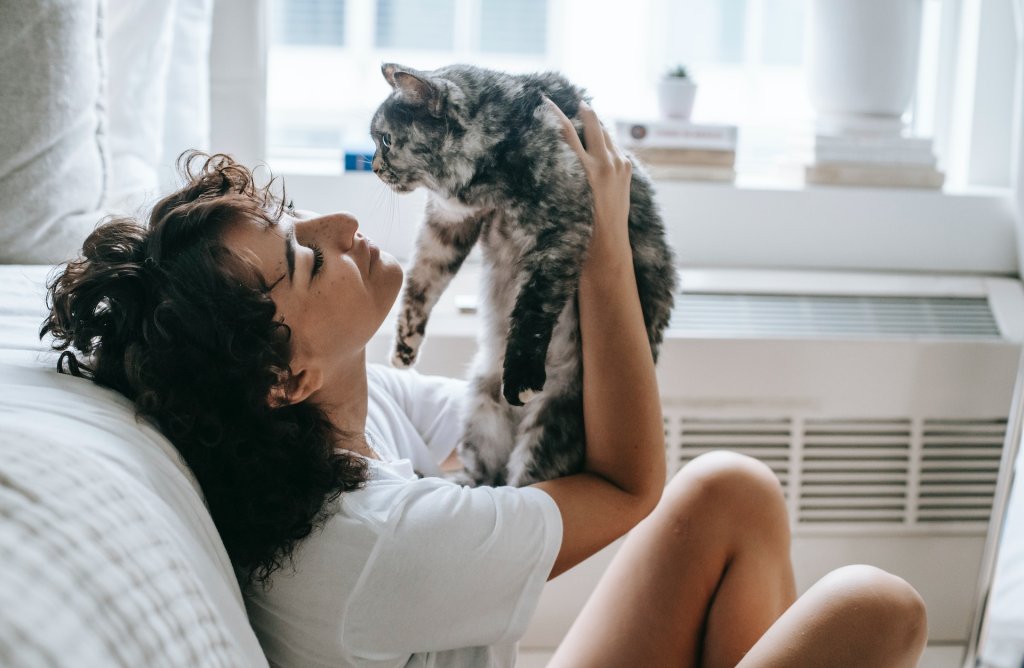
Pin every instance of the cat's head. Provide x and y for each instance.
(423, 132)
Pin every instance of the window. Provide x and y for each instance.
(748, 57)
(324, 61)
(308, 22)
(415, 24)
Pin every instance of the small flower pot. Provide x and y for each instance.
(676, 96)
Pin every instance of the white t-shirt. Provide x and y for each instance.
(412, 571)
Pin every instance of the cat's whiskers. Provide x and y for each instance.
(388, 199)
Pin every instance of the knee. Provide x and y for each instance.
(893, 608)
(740, 491)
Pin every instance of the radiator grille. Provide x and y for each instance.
(859, 472)
(827, 316)
(854, 471)
(959, 466)
(767, 440)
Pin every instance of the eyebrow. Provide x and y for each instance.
(289, 252)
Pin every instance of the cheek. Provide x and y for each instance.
(401, 162)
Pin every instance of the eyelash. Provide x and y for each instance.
(318, 258)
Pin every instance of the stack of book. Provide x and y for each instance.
(885, 157)
(671, 149)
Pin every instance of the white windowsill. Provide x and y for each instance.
(754, 223)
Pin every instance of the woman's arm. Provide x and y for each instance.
(624, 469)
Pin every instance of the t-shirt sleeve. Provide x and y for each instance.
(454, 567)
(433, 405)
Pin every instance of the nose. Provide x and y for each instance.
(336, 230)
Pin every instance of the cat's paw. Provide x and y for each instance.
(403, 356)
(519, 385)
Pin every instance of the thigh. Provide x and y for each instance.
(721, 525)
(650, 606)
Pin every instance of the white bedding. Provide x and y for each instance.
(1004, 647)
(109, 555)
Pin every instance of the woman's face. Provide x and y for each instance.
(331, 285)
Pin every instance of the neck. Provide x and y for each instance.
(344, 398)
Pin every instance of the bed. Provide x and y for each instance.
(110, 557)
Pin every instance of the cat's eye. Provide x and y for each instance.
(290, 207)
(385, 140)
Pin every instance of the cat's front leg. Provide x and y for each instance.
(444, 240)
(550, 275)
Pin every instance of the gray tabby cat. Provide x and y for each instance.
(499, 173)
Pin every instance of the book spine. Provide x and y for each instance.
(873, 143)
(691, 172)
(876, 157)
(858, 175)
(680, 156)
(686, 136)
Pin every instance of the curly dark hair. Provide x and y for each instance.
(168, 316)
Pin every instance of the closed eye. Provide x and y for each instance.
(318, 260)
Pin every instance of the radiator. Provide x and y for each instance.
(880, 401)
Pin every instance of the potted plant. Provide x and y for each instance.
(676, 92)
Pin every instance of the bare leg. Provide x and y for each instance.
(854, 616)
(702, 579)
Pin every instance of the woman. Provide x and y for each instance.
(239, 326)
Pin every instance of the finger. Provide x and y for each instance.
(612, 147)
(567, 128)
(593, 138)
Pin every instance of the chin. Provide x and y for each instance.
(399, 186)
(390, 269)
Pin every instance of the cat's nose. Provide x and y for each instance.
(377, 163)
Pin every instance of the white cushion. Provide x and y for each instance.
(52, 153)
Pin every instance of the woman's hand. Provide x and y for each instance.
(609, 172)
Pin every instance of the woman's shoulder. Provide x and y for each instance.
(399, 381)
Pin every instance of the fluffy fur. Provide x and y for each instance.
(499, 174)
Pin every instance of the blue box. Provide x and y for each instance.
(358, 161)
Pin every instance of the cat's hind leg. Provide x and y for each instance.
(550, 443)
(550, 440)
(549, 273)
(489, 434)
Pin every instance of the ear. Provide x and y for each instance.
(418, 90)
(296, 388)
(388, 70)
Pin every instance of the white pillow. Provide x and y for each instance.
(53, 165)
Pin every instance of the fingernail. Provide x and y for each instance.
(583, 103)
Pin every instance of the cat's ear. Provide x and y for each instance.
(413, 87)
(418, 90)
(388, 70)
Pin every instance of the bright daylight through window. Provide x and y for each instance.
(747, 57)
